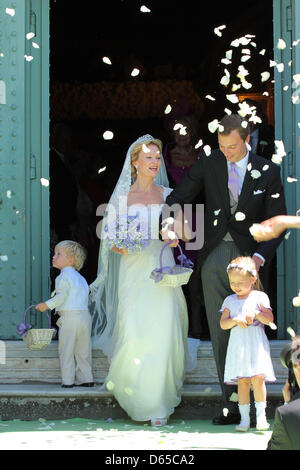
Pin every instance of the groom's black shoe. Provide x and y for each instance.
(231, 418)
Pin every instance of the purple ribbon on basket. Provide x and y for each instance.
(157, 274)
(24, 327)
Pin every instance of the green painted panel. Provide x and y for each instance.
(286, 26)
(24, 111)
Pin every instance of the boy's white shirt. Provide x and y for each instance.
(71, 291)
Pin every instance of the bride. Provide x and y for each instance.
(140, 325)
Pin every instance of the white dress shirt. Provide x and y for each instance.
(71, 291)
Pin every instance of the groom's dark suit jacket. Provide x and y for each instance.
(261, 198)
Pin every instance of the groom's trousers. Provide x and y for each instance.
(216, 288)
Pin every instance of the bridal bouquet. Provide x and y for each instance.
(127, 231)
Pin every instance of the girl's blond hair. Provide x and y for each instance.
(245, 265)
(136, 150)
(75, 250)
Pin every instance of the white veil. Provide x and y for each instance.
(103, 299)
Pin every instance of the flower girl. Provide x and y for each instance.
(248, 360)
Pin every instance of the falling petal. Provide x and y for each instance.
(199, 144)
(44, 182)
(281, 44)
(232, 98)
(280, 67)
(246, 85)
(285, 88)
(101, 170)
(106, 60)
(110, 385)
(10, 11)
(215, 222)
(225, 412)
(30, 35)
(217, 212)
(245, 58)
(291, 180)
(276, 159)
(177, 126)
(249, 166)
(217, 30)
(226, 61)
(209, 97)
(35, 45)
(265, 167)
(296, 79)
(8, 194)
(135, 72)
(108, 135)
(28, 58)
(213, 125)
(168, 109)
(265, 76)
(275, 196)
(145, 149)
(235, 43)
(229, 54)
(262, 52)
(145, 9)
(207, 150)
(272, 326)
(240, 216)
(289, 329)
(244, 124)
(227, 111)
(295, 43)
(182, 130)
(4, 258)
(287, 236)
(255, 174)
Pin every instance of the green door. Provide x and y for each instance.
(24, 161)
(287, 129)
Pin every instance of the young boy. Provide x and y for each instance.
(71, 303)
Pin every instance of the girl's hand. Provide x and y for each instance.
(42, 307)
(120, 251)
(249, 319)
(241, 322)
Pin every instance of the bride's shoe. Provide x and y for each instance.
(159, 422)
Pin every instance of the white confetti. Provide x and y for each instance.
(275, 196)
(30, 35)
(235, 43)
(44, 182)
(28, 58)
(229, 54)
(106, 60)
(199, 144)
(8, 194)
(287, 236)
(218, 30)
(232, 98)
(289, 329)
(101, 170)
(145, 9)
(211, 98)
(262, 52)
(276, 159)
(272, 326)
(227, 111)
(10, 11)
(239, 216)
(291, 180)
(213, 125)
(4, 258)
(245, 58)
(108, 135)
(168, 109)
(281, 44)
(135, 72)
(295, 43)
(265, 76)
(207, 150)
(280, 67)
(296, 302)
(225, 412)
(217, 212)
(215, 222)
(35, 45)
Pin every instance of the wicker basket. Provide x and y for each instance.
(172, 276)
(35, 338)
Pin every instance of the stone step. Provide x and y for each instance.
(18, 364)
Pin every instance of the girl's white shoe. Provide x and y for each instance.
(262, 425)
(242, 427)
(159, 422)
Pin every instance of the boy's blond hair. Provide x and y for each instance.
(75, 250)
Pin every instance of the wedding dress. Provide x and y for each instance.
(147, 367)
(140, 325)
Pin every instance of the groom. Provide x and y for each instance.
(241, 188)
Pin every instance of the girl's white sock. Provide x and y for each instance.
(260, 410)
(245, 414)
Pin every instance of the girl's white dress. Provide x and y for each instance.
(147, 367)
(248, 351)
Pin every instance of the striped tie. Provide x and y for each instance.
(233, 181)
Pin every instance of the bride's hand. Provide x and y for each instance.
(120, 251)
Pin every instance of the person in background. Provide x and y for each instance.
(179, 156)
